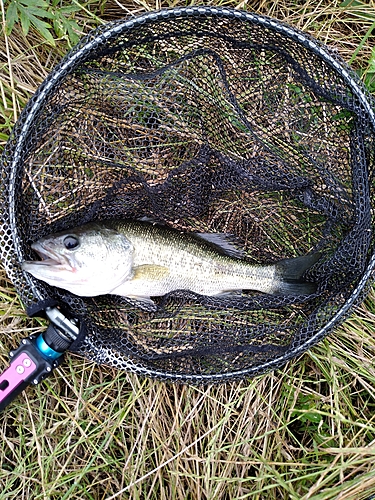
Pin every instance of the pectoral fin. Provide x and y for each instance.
(150, 272)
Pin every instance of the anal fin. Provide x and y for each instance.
(144, 303)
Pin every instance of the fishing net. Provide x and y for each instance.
(206, 120)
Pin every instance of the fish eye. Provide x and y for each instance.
(71, 242)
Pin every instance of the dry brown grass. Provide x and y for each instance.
(89, 432)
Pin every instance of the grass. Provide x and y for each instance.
(306, 431)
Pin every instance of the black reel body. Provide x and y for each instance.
(206, 120)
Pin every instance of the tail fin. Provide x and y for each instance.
(289, 274)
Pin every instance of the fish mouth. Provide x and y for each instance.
(48, 258)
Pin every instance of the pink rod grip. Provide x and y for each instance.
(20, 369)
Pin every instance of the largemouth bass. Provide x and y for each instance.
(142, 260)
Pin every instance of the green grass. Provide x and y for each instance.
(304, 432)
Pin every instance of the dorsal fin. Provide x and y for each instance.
(225, 242)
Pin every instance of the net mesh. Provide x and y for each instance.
(207, 120)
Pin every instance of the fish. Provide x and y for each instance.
(142, 259)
